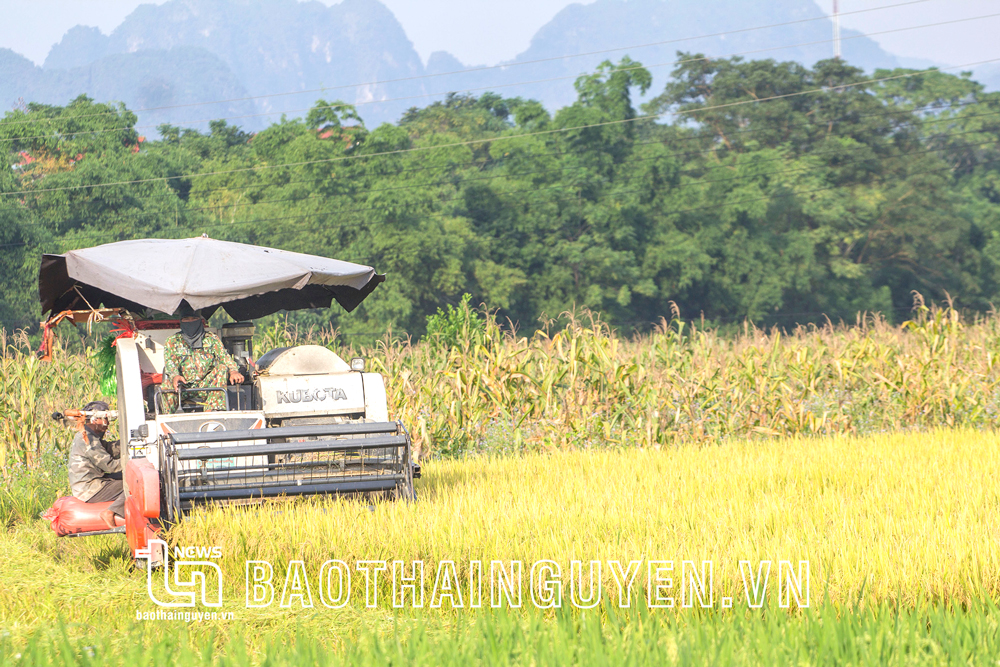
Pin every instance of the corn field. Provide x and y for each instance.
(30, 391)
(583, 386)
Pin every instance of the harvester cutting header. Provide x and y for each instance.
(296, 421)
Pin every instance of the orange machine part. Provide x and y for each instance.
(142, 503)
(143, 482)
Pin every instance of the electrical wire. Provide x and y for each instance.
(456, 182)
(613, 193)
(696, 137)
(63, 135)
(629, 161)
(761, 127)
(515, 64)
(472, 142)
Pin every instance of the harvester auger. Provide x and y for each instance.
(304, 422)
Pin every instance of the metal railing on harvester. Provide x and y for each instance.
(345, 458)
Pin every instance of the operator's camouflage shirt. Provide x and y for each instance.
(207, 367)
(90, 458)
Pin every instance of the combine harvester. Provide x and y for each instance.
(304, 422)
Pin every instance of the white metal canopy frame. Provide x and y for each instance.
(162, 274)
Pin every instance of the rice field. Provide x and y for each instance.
(868, 451)
(895, 527)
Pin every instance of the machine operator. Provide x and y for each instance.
(197, 358)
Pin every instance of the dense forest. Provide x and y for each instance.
(745, 189)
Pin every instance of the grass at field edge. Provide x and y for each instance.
(884, 635)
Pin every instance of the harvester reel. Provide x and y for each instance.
(224, 467)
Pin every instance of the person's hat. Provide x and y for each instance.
(185, 310)
(100, 406)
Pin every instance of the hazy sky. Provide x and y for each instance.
(956, 44)
(489, 31)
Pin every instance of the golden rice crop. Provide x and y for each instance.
(882, 518)
(888, 517)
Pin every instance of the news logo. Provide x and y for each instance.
(191, 578)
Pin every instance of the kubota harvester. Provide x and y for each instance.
(303, 422)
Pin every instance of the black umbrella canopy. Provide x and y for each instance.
(160, 274)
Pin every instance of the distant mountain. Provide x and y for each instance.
(17, 76)
(80, 46)
(442, 62)
(144, 80)
(988, 75)
(610, 24)
(186, 51)
(272, 46)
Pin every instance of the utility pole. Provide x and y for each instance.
(836, 29)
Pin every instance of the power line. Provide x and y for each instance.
(485, 88)
(658, 157)
(698, 182)
(760, 127)
(563, 169)
(512, 64)
(472, 142)
(456, 182)
(536, 190)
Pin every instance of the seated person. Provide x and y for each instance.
(198, 359)
(95, 466)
